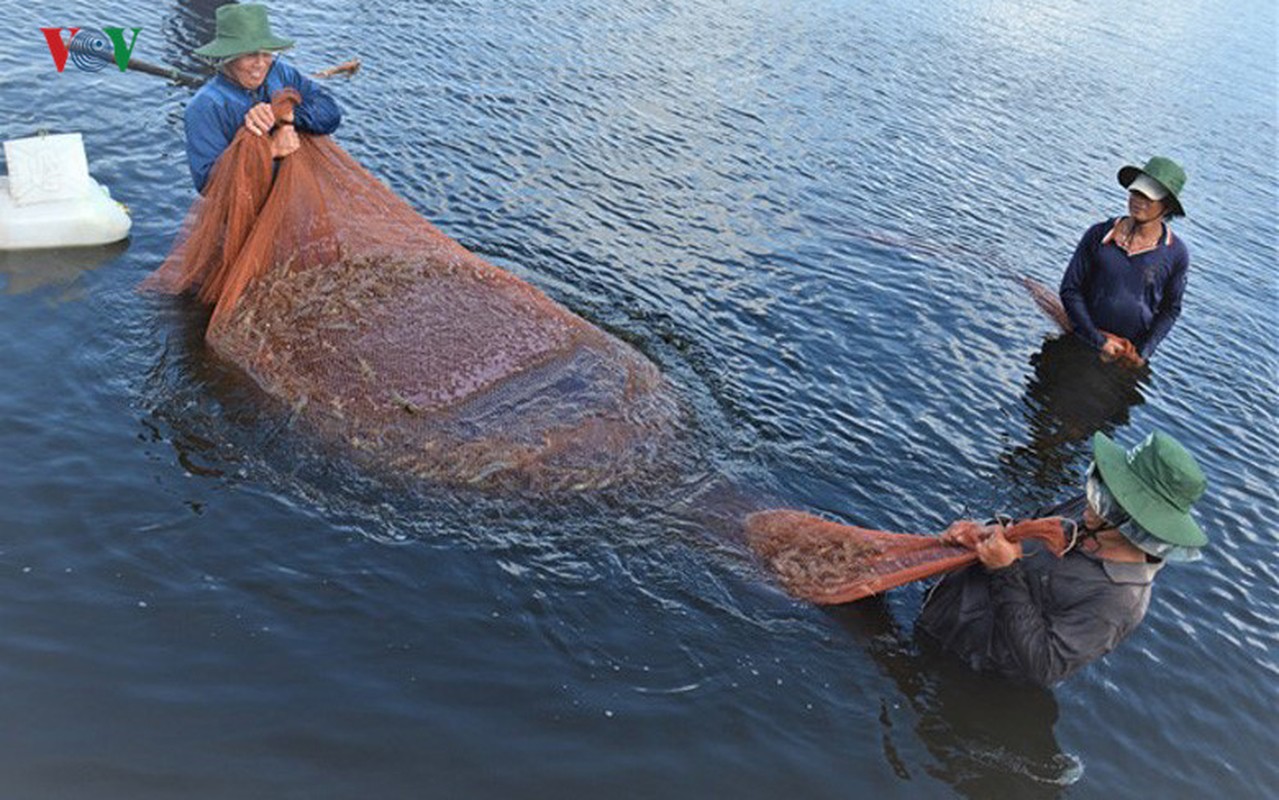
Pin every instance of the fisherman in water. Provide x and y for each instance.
(1025, 615)
(249, 73)
(1123, 287)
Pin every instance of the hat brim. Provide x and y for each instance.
(226, 48)
(1129, 174)
(1151, 511)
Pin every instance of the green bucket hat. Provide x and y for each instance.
(1156, 483)
(242, 29)
(1164, 171)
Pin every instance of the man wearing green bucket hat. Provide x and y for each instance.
(1123, 287)
(1024, 614)
(249, 73)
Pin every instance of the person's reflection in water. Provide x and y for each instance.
(1070, 395)
(990, 738)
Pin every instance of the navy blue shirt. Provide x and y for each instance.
(1135, 296)
(218, 108)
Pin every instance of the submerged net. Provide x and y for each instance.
(828, 563)
(1048, 301)
(338, 298)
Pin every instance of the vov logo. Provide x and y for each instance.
(90, 49)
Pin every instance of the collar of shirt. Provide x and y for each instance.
(1112, 237)
(1125, 571)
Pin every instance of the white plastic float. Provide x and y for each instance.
(49, 199)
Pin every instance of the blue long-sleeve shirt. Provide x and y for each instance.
(1135, 296)
(218, 108)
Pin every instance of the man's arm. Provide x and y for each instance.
(207, 137)
(1072, 288)
(1169, 306)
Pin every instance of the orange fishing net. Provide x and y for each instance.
(828, 563)
(1048, 301)
(338, 298)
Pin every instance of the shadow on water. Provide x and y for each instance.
(1069, 395)
(989, 737)
(59, 268)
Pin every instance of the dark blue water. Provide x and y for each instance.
(807, 216)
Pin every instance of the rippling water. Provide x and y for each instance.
(808, 217)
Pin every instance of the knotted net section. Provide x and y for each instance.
(388, 336)
(829, 563)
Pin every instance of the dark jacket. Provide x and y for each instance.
(1041, 618)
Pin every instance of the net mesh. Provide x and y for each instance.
(828, 563)
(337, 297)
(1048, 301)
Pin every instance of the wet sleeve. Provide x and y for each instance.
(1074, 284)
(1169, 306)
(1049, 647)
(318, 112)
(207, 137)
